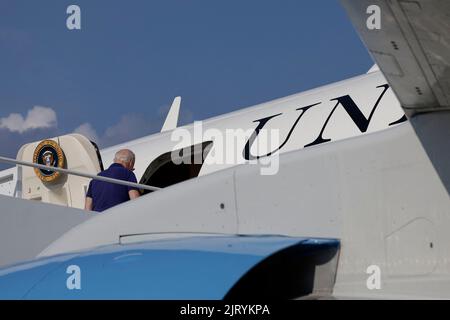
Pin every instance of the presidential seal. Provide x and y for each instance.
(48, 153)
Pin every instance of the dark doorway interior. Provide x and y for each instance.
(163, 172)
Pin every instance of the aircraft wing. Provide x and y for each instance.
(410, 42)
(411, 45)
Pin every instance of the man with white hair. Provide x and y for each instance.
(104, 195)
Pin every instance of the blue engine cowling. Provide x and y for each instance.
(198, 267)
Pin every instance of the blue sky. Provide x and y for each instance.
(117, 75)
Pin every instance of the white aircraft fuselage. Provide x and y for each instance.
(348, 108)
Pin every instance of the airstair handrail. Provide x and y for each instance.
(77, 173)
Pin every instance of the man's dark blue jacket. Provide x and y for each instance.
(106, 195)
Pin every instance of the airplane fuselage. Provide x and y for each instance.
(360, 105)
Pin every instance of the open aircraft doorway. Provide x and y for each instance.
(163, 172)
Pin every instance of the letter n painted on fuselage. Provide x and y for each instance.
(353, 111)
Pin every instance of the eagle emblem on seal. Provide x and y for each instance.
(48, 153)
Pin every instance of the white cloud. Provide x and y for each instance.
(37, 118)
(130, 126)
(88, 131)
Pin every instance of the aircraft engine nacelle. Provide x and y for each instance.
(73, 152)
